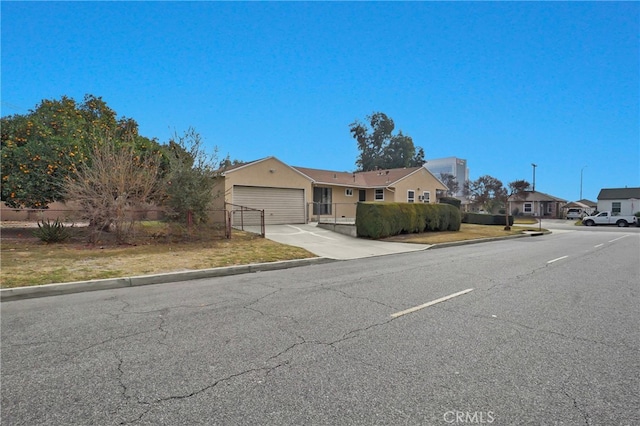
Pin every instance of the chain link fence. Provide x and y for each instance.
(139, 226)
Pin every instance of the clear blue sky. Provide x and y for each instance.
(500, 84)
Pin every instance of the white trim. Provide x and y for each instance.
(375, 194)
(411, 199)
(348, 192)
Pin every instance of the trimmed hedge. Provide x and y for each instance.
(451, 200)
(381, 220)
(485, 219)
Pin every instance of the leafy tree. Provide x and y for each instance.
(451, 183)
(486, 192)
(39, 149)
(490, 193)
(191, 178)
(380, 148)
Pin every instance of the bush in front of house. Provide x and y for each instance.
(485, 219)
(451, 200)
(381, 220)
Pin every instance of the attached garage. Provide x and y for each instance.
(280, 205)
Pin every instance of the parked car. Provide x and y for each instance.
(607, 218)
(576, 213)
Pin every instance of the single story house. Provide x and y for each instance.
(623, 201)
(290, 194)
(536, 203)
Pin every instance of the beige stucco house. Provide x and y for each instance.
(290, 194)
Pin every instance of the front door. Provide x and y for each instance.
(362, 195)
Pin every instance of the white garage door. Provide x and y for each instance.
(280, 205)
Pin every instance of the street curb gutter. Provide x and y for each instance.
(19, 293)
(486, 240)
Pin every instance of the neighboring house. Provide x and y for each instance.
(623, 201)
(536, 203)
(298, 194)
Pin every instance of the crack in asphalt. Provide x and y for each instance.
(152, 404)
(585, 415)
(350, 296)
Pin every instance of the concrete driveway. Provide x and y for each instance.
(333, 245)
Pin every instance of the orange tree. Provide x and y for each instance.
(40, 149)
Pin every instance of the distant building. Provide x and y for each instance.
(452, 165)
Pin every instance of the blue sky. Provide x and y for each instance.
(501, 84)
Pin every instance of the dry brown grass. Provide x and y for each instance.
(27, 261)
(467, 232)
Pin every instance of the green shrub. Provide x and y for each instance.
(380, 220)
(451, 200)
(485, 219)
(52, 232)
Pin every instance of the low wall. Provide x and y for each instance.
(346, 229)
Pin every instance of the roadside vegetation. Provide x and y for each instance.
(27, 261)
(466, 232)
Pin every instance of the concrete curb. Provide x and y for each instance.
(486, 240)
(19, 293)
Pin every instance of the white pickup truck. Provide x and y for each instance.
(606, 218)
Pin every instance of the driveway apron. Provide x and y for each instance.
(334, 245)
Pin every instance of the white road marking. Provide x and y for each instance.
(559, 258)
(312, 233)
(598, 245)
(433, 302)
(619, 238)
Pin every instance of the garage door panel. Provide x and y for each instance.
(280, 205)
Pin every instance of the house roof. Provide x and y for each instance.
(537, 196)
(577, 204)
(619, 193)
(250, 163)
(373, 179)
(587, 202)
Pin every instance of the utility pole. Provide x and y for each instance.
(581, 181)
(534, 176)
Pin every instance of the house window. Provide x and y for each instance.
(379, 195)
(616, 207)
(321, 201)
(411, 196)
(348, 192)
(528, 208)
(426, 197)
(549, 208)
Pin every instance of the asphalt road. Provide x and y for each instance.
(548, 335)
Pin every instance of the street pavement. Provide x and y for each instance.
(542, 331)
